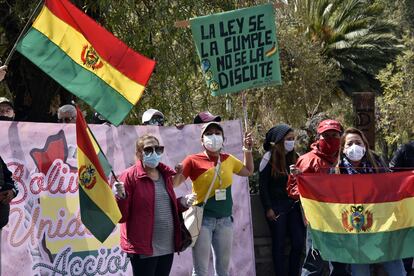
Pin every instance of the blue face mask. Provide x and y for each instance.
(152, 160)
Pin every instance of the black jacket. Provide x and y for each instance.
(403, 158)
(6, 183)
(272, 188)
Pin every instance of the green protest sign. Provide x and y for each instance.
(238, 49)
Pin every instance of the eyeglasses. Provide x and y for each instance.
(149, 150)
(67, 120)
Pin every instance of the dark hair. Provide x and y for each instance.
(279, 158)
(139, 145)
(368, 153)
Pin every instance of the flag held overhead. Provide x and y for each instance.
(86, 59)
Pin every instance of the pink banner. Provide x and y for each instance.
(45, 236)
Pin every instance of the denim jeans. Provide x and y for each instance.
(393, 268)
(315, 266)
(216, 233)
(288, 224)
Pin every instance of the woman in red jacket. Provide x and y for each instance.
(150, 225)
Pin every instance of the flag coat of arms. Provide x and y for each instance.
(360, 218)
(98, 207)
(86, 59)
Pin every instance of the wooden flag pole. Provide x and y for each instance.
(25, 28)
(182, 24)
(244, 104)
(99, 146)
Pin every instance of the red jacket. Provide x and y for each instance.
(314, 161)
(138, 209)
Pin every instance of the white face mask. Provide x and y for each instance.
(355, 152)
(213, 142)
(289, 145)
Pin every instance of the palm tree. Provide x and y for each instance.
(354, 34)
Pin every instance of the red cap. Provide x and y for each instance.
(329, 125)
(205, 117)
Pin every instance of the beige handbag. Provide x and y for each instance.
(194, 215)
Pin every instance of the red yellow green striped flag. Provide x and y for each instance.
(98, 208)
(86, 59)
(361, 218)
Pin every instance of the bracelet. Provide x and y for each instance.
(246, 149)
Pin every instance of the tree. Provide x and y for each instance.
(176, 87)
(395, 107)
(35, 95)
(355, 35)
(146, 26)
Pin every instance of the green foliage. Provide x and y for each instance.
(177, 88)
(355, 35)
(395, 107)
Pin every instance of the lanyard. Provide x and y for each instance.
(218, 168)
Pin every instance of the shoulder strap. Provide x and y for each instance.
(216, 172)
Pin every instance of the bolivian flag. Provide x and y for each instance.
(98, 208)
(86, 59)
(362, 218)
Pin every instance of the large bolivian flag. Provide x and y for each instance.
(363, 218)
(98, 208)
(86, 59)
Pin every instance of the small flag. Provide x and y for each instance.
(99, 210)
(86, 59)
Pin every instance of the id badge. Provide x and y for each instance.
(220, 194)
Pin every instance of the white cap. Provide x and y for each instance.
(149, 113)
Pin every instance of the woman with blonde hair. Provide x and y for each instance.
(150, 224)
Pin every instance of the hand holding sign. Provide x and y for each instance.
(238, 49)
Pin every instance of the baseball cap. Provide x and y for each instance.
(149, 113)
(329, 125)
(205, 117)
(5, 100)
(205, 126)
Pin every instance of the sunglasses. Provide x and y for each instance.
(149, 150)
(158, 121)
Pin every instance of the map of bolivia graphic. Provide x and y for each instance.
(65, 238)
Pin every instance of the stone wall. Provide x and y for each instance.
(262, 240)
